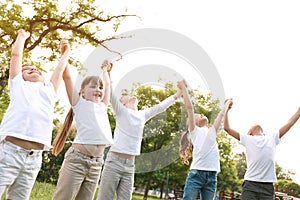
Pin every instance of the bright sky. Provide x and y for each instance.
(255, 46)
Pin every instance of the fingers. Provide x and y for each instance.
(23, 33)
(64, 46)
(229, 103)
(107, 65)
(181, 84)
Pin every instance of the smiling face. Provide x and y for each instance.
(32, 74)
(92, 89)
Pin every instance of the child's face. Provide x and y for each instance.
(32, 74)
(129, 101)
(201, 120)
(256, 130)
(93, 92)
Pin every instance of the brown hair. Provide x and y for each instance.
(184, 147)
(61, 137)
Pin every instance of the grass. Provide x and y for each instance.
(45, 191)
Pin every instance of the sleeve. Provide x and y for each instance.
(16, 79)
(159, 108)
(243, 139)
(276, 137)
(116, 104)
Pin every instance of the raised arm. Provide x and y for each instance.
(73, 94)
(17, 53)
(56, 77)
(218, 120)
(284, 129)
(227, 127)
(106, 67)
(182, 85)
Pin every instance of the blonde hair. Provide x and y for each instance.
(62, 135)
(184, 147)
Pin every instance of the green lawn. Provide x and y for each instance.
(44, 191)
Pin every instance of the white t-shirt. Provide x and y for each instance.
(92, 123)
(128, 133)
(30, 113)
(205, 149)
(260, 157)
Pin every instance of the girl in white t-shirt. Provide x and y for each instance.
(118, 171)
(202, 177)
(81, 168)
(260, 156)
(26, 129)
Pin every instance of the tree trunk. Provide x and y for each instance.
(161, 190)
(149, 179)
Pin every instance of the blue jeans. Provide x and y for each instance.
(199, 181)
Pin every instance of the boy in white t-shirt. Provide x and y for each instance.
(26, 128)
(202, 178)
(260, 157)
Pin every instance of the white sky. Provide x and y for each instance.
(255, 46)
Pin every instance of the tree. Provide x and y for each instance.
(284, 174)
(228, 177)
(82, 22)
(241, 164)
(162, 134)
(288, 187)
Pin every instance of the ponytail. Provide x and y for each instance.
(184, 149)
(61, 137)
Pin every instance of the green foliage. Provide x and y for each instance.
(283, 174)
(4, 102)
(288, 187)
(241, 164)
(81, 22)
(227, 178)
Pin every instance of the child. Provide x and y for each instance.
(202, 177)
(81, 168)
(118, 172)
(260, 156)
(26, 128)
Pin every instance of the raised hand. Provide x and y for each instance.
(64, 46)
(23, 34)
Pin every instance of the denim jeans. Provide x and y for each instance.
(117, 177)
(257, 191)
(18, 170)
(199, 181)
(78, 176)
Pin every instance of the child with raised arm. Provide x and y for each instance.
(26, 128)
(81, 168)
(260, 157)
(205, 166)
(118, 171)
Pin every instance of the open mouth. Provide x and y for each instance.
(98, 94)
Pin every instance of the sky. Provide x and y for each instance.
(254, 45)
